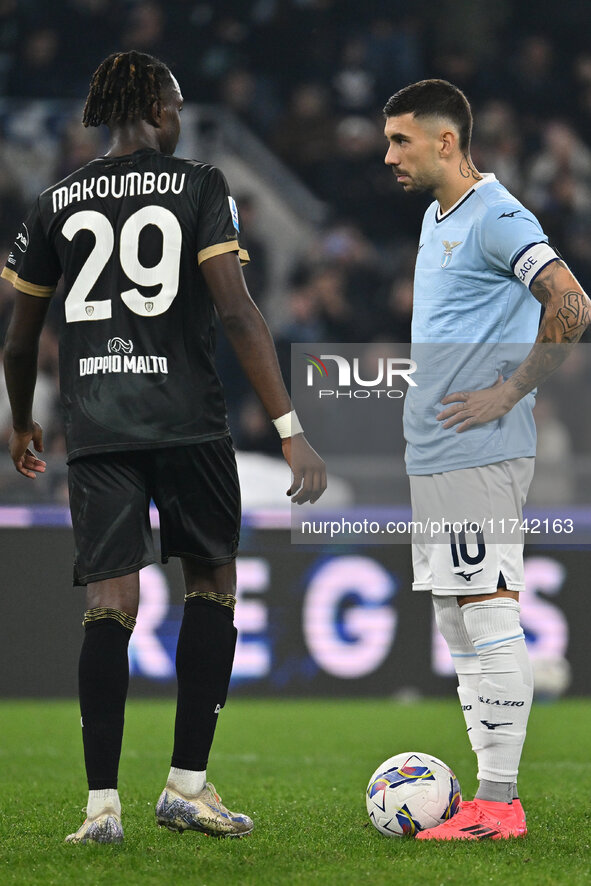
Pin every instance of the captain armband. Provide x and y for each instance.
(288, 425)
(532, 260)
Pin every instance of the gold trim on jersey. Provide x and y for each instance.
(100, 612)
(220, 248)
(25, 286)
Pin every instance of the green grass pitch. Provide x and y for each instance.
(299, 768)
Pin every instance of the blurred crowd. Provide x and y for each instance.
(309, 78)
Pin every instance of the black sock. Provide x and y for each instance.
(204, 657)
(103, 678)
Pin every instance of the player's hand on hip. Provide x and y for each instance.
(309, 471)
(25, 461)
(471, 408)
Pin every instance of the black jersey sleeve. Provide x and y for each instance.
(218, 225)
(32, 264)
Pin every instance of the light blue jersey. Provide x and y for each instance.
(473, 319)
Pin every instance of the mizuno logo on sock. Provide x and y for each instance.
(494, 725)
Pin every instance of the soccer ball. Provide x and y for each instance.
(411, 792)
(552, 677)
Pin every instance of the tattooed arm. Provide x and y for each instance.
(567, 315)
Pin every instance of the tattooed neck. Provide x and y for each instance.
(467, 170)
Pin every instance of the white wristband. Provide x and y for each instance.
(288, 425)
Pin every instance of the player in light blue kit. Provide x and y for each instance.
(483, 268)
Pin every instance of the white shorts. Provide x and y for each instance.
(469, 540)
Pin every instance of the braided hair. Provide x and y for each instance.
(124, 87)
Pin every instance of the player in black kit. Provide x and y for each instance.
(148, 246)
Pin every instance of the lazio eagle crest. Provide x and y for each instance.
(447, 255)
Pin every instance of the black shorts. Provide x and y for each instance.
(194, 487)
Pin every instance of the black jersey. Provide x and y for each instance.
(137, 345)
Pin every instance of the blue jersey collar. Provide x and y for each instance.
(487, 177)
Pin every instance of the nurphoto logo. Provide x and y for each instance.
(387, 372)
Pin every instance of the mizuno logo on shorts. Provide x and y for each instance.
(468, 575)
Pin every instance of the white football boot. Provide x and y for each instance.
(205, 812)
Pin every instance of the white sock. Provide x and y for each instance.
(505, 688)
(449, 620)
(468, 694)
(106, 800)
(188, 782)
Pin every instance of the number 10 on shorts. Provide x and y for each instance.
(459, 548)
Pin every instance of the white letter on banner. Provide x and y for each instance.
(353, 640)
(147, 655)
(253, 654)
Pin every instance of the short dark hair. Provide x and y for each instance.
(434, 98)
(124, 87)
